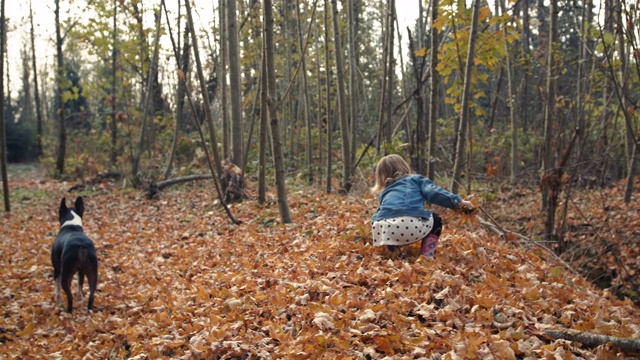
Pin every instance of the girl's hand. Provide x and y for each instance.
(466, 207)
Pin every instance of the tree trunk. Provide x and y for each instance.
(342, 101)
(466, 98)
(329, 116)
(382, 124)
(319, 99)
(114, 109)
(39, 123)
(526, 64)
(591, 340)
(353, 68)
(630, 139)
(549, 180)
(264, 123)
(147, 103)
(391, 69)
(283, 204)
(235, 84)
(305, 95)
(433, 93)
(3, 136)
(209, 118)
(226, 132)
(511, 101)
(183, 65)
(417, 95)
(62, 131)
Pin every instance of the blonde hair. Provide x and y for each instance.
(389, 169)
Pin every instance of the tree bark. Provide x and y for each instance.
(234, 84)
(62, 131)
(549, 181)
(147, 102)
(353, 68)
(183, 66)
(327, 90)
(466, 98)
(305, 95)
(592, 340)
(3, 136)
(39, 121)
(511, 101)
(630, 140)
(272, 102)
(113, 155)
(433, 93)
(209, 118)
(342, 101)
(264, 124)
(226, 133)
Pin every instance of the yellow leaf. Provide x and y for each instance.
(484, 13)
(27, 331)
(421, 52)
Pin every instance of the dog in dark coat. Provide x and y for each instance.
(73, 252)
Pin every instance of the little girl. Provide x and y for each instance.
(401, 218)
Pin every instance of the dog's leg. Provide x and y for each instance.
(92, 277)
(66, 286)
(58, 280)
(80, 281)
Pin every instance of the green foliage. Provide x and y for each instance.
(489, 56)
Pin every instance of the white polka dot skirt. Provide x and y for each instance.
(403, 230)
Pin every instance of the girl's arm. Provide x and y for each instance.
(434, 194)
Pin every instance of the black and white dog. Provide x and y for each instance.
(73, 252)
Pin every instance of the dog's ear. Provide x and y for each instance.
(63, 207)
(79, 206)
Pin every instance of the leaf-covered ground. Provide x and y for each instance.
(178, 280)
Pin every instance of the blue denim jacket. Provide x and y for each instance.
(407, 195)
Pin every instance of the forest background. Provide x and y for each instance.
(530, 98)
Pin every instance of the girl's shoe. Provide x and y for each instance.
(428, 248)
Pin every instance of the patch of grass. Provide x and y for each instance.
(22, 195)
(23, 169)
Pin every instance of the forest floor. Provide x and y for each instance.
(178, 280)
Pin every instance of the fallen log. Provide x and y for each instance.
(154, 188)
(595, 340)
(170, 182)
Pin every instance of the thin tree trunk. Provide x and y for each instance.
(512, 104)
(3, 136)
(319, 99)
(39, 123)
(62, 131)
(209, 118)
(630, 140)
(391, 69)
(342, 101)
(526, 64)
(147, 102)
(264, 123)
(329, 116)
(226, 132)
(466, 98)
(549, 180)
(272, 102)
(433, 93)
(420, 120)
(383, 86)
(353, 68)
(183, 65)
(235, 84)
(305, 95)
(114, 108)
